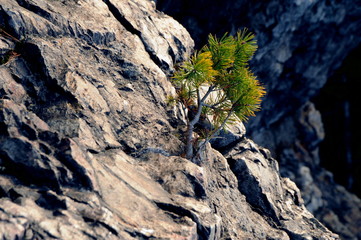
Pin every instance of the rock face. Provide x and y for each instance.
(301, 43)
(89, 148)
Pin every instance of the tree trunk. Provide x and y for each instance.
(189, 141)
(194, 121)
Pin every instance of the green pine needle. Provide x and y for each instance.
(234, 93)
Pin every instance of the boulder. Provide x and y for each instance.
(301, 45)
(90, 149)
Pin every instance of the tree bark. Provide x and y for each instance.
(194, 121)
(189, 141)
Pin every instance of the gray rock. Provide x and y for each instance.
(89, 148)
(231, 135)
(301, 44)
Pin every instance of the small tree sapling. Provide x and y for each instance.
(216, 82)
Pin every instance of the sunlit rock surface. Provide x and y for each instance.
(301, 44)
(90, 149)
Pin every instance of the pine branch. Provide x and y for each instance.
(215, 132)
(223, 66)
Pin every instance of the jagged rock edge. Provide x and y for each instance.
(127, 25)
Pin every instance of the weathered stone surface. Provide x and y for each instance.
(89, 148)
(243, 195)
(281, 200)
(301, 44)
(299, 160)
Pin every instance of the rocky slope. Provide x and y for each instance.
(301, 44)
(89, 148)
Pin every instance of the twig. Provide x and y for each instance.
(5, 34)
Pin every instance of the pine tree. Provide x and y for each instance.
(217, 82)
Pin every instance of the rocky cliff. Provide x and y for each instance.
(301, 45)
(89, 148)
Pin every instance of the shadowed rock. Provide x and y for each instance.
(90, 149)
(301, 44)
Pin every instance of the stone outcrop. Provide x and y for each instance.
(90, 149)
(301, 43)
